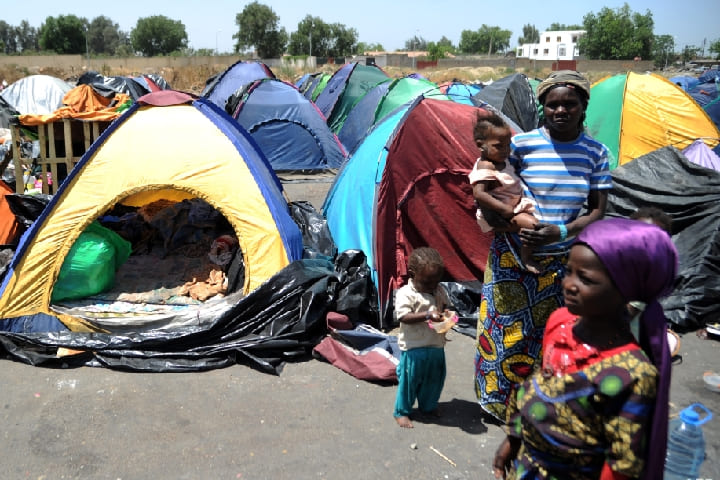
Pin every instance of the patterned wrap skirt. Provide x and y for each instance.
(514, 308)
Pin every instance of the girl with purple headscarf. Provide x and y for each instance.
(598, 408)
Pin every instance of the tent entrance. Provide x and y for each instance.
(183, 257)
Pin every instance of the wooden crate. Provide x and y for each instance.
(62, 144)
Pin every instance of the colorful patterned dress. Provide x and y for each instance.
(584, 409)
(515, 304)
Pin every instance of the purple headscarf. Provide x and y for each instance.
(642, 262)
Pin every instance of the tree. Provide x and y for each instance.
(158, 35)
(445, 42)
(530, 35)
(715, 48)
(690, 52)
(617, 34)
(344, 40)
(8, 41)
(436, 51)
(27, 37)
(663, 50)
(258, 27)
(486, 40)
(415, 43)
(561, 27)
(363, 47)
(63, 35)
(104, 36)
(312, 37)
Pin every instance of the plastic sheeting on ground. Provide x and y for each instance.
(281, 320)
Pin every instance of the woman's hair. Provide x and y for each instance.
(485, 123)
(656, 216)
(423, 257)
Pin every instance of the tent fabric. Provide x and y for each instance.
(82, 103)
(219, 88)
(685, 82)
(362, 79)
(380, 101)
(690, 195)
(362, 117)
(9, 226)
(109, 86)
(707, 95)
(282, 320)
(146, 150)
(700, 154)
(404, 90)
(7, 113)
(709, 76)
(460, 92)
(359, 78)
(288, 128)
(634, 114)
(363, 352)
(512, 95)
(406, 186)
(36, 94)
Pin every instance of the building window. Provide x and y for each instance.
(547, 39)
(546, 52)
(535, 51)
(559, 39)
(561, 51)
(519, 52)
(574, 39)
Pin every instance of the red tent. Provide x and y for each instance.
(425, 199)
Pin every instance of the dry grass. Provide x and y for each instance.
(192, 79)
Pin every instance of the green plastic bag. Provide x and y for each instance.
(90, 266)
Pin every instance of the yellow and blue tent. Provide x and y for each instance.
(168, 145)
(634, 114)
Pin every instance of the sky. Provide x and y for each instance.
(210, 24)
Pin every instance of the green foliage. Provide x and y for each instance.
(8, 38)
(561, 27)
(158, 35)
(486, 40)
(690, 52)
(715, 48)
(317, 38)
(363, 47)
(663, 50)
(258, 26)
(617, 34)
(415, 44)
(104, 36)
(530, 35)
(27, 37)
(436, 51)
(64, 34)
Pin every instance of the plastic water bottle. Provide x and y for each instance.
(686, 444)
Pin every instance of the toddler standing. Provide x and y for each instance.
(421, 371)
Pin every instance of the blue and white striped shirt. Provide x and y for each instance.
(558, 176)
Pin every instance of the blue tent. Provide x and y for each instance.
(361, 117)
(707, 95)
(712, 75)
(685, 82)
(461, 92)
(219, 88)
(288, 128)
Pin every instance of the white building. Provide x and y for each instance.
(560, 45)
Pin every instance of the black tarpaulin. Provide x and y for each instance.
(281, 320)
(690, 194)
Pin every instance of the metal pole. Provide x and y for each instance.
(217, 52)
(87, 49)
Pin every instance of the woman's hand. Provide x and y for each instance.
(504, 455)
(543, 234)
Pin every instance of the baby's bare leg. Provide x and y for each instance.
(527, 220)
